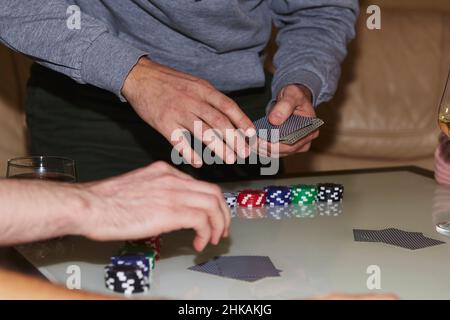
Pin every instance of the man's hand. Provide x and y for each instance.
(169, 100)
(154, 200)
(293, 99)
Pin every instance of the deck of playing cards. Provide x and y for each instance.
(396, 237)
(246, 268)
(291, 131)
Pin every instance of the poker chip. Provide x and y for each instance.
(330, 192)
(303, 211)
(329, 209)
(140, 250)
(278, 196)
(303, 194)
(149, 245)
(251, 198)
(231, 199)
(126, 279)
(137, 260)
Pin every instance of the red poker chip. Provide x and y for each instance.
(153, 243)
(251, 198)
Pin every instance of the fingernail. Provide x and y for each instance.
(250, 132)
(230, 159)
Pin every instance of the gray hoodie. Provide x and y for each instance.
(218, 40)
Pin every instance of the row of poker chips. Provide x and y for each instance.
(130, 271)
(274, 196)
(292, 211)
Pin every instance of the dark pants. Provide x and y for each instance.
(104, 136)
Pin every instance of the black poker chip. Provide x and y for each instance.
(330, 192)
(126, 279)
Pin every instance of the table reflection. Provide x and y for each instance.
(289, 212)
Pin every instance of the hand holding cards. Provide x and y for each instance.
(291, 131)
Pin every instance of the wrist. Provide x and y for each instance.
(134, 77)
(83, 207)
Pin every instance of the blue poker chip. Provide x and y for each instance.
(134, 260)
(278, 196)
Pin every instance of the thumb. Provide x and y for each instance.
(282, 110)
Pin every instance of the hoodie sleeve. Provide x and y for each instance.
(89, 54)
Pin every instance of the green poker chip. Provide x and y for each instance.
(304, 194)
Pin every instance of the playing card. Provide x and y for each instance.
(207, 267)
(396, 237)
(366, 235)
(294, 123)
(407, 240)
(246, 268)
(303, 132)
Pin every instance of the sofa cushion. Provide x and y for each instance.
(386, 104)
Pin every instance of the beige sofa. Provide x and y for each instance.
(384, 113)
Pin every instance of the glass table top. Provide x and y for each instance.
(314, 248)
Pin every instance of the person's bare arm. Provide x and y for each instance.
(15, 286)
(143, 203)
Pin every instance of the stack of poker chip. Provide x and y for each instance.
(136, 260)
(126, 279)
(231, 199)
(330, 192)
(303, 194)
(143, 250)
(251, 198)
(278, 196)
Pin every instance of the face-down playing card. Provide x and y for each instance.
(292, 130)
(396, 237)
(246, 268)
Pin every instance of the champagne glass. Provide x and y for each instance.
(42, 168)
(444, 109)
(443, 227)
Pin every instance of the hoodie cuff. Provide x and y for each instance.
(303, 77)
(107, 63)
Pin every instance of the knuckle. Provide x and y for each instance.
(220, 121)
(161, 166)
(216, 189)
(212, 202)
(203, 82)
(201, 218)
(226, 104)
